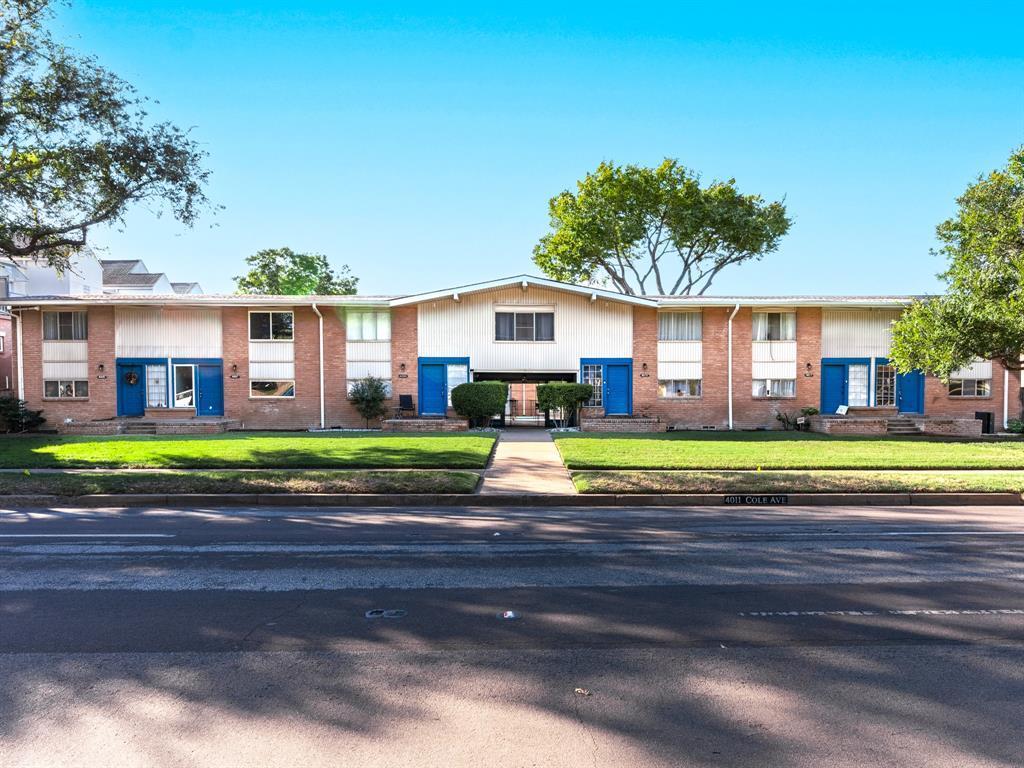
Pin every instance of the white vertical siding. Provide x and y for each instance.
(979, 369)
(583, 328)
(271, 360)
(367, 358)
(680, 360)
(773, 360)
(65, 360)
(857, 332)
(167, 332)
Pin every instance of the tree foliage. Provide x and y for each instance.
(16, 416)
(655, 230)
(563, 399)
(76, 146)
(368, 396)
(981, 314)
(478, 401)
(282, 272)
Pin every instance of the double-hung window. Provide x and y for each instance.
(65, 326)
(669, 388)
(774, 326)
(524, 326)
(271, 326)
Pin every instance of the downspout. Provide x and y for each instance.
(1006, 398)
(320, 319)
(734, 311)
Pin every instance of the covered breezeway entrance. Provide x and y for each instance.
(521, 406)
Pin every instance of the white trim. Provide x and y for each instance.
(729, 355)
(1006, 398)
(320, 336)
(525, 281)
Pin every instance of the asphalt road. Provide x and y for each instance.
(702, 637)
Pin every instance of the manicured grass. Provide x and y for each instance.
(199, 481)
(782, 450)
(832, 481)
(270, 450)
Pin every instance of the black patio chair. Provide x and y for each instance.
(405, 404)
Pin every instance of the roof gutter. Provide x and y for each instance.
(320, 336)
(734, 311)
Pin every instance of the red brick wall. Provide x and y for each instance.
(937, 401)
(404, 350)
(102, 401)
(712, 407)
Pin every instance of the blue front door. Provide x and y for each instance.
(833, 387)
(209, 390)
(617, 390)
(910, 392)
(131, 389)
(433, 386)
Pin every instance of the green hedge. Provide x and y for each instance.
(478, 401)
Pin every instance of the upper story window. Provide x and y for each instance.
(363, 325)
(774, 326)
(271, 326)
(524, 326)
(680, 326)
(65, 326)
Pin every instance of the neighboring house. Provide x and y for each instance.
(186, 288)
(131, 276)
(276, 362)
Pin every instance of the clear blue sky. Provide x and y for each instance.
(419, 143)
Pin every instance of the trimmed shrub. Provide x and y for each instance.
(368, 396)
(562, 399)
(16, 417)
(479, 401)
(1015, 425)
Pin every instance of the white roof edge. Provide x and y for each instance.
(185, 299)
(768, 301)
(540, 282)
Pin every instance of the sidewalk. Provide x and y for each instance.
(526, 461)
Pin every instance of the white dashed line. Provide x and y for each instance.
(905, 612)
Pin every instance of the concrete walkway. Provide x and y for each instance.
(526, 461)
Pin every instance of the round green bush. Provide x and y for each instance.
(478, 401)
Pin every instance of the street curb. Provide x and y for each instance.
(508, 500)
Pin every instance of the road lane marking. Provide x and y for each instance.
(893, 612)
(87, 535)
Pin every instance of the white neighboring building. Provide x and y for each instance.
(87, 275)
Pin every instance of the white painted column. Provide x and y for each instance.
(871, 383)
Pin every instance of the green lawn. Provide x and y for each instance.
(204, 481)
(238, 450)
(829, 481)
(781, 450)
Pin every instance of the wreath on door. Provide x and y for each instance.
(131, 378)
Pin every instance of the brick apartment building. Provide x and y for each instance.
(97, 362)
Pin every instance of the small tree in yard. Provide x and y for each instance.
(16, 417)
(368, 396)
(981, 314)
(564, 398)
(479, 401)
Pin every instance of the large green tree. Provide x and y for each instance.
(283, 272)
(657, 230)
(981, 315)
(76, 146)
